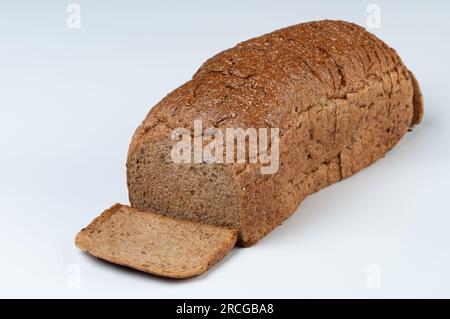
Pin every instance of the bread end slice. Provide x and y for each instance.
(154, 243)
(417, 101)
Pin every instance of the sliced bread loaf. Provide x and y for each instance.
(154, 243)
(340, 96)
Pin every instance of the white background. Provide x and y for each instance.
(70, 100)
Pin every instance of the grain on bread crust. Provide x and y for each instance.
(155, 243)
(341, 97)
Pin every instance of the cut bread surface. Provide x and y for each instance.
(154, 243)
(197, 192)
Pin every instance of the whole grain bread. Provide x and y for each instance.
(341, 97)
(154, 243)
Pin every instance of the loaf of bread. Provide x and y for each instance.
(153, 243)
(340, 97)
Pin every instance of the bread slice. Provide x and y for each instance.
(154, 243)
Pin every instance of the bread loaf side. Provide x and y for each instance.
(340, 97)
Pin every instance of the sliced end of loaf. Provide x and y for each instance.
(197, 192)
(154, 243)
(417, 101)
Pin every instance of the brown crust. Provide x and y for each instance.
(84, 238)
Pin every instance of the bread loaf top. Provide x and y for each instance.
(265, 81)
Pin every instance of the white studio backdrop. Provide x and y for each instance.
(77, 78)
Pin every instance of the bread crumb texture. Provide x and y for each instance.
(156, 244)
